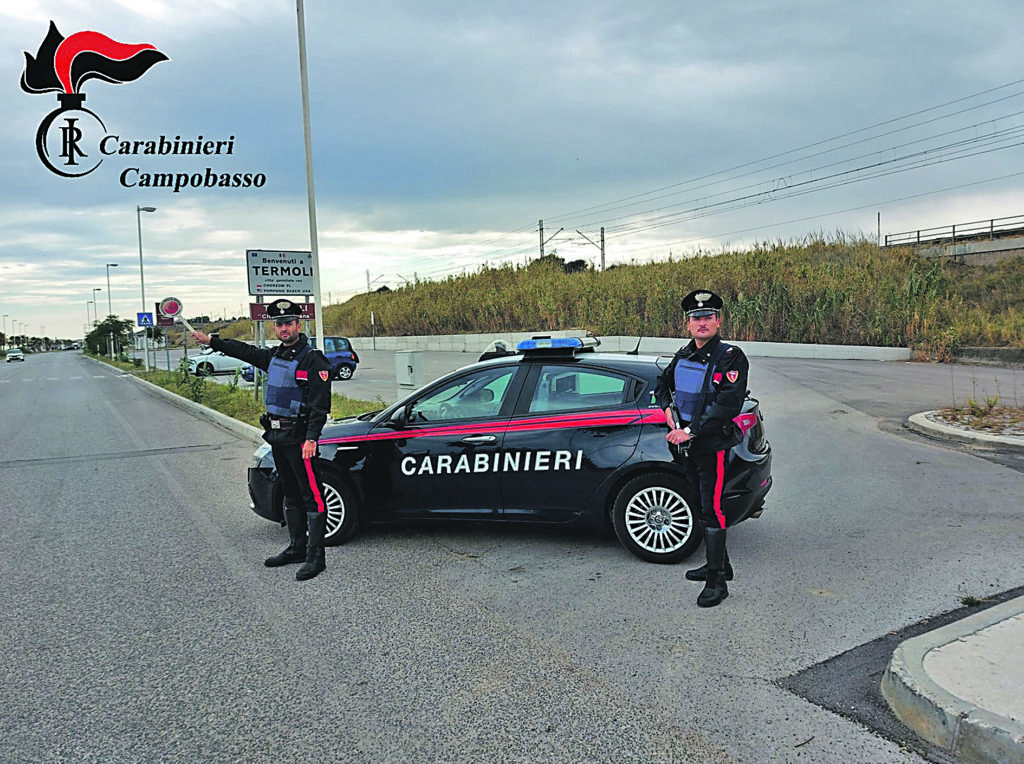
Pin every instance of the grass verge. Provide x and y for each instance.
(995, 420)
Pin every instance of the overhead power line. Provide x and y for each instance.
(798, 183)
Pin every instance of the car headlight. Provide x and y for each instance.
(263, 452)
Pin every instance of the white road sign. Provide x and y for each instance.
(279, 273)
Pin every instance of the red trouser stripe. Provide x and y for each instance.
(719, 486)
(313, 486)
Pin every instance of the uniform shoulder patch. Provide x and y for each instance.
(728, 350)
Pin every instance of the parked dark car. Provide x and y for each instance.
(339, 352)
(555, 433)
(342, 355)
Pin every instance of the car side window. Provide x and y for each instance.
(329, 345)
(564, 388)
(470, 397)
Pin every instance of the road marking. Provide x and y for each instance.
(52, 379)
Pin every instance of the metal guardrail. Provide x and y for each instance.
(977, 230)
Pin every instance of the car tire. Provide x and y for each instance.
(654, 520)
(341, 503)
(204, 369)
(344, 372)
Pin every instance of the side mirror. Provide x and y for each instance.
(400, 418)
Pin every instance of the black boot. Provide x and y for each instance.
(315, 563)
(295, 518)
(701, 573)
(715, 589)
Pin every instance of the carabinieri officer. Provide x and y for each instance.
(298, 403)
(701, 391)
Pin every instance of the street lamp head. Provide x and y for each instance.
(111, 265)
(146, 209)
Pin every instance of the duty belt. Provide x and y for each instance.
(280, 423)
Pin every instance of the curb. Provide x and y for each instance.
(232, 425)
(970, 733)
(922, 424)
(235, 427)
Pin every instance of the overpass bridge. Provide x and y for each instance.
(979, 242)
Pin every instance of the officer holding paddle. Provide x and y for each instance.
(298, 403)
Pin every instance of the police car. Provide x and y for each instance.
(553, 433)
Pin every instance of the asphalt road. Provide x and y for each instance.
(139, 623)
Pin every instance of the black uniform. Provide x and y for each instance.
(713, 433)
(303, 490)
(703, 457)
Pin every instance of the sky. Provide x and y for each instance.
(443, 132)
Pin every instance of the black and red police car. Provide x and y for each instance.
(554, 433)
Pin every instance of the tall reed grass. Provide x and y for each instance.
(837, 290)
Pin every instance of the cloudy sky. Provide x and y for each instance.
(443, 131)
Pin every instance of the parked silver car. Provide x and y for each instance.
(213, 362)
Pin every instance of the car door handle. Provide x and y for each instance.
(479, 439)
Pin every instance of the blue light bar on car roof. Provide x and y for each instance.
(549, 343)
(557, 343)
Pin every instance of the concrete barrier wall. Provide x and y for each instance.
(977, 252)
(1013, 357)
(476, 343)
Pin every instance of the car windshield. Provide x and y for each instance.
(476, 395)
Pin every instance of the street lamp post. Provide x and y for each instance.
(142, 279)
(5, 328)
(110, 310)
(95, 305)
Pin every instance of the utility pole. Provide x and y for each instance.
(540, 224)
(600, 247)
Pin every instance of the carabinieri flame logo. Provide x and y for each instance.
(63, 65)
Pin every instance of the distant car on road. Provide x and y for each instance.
(15, 354)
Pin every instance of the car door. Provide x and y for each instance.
(574, 426)
(441, 458)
